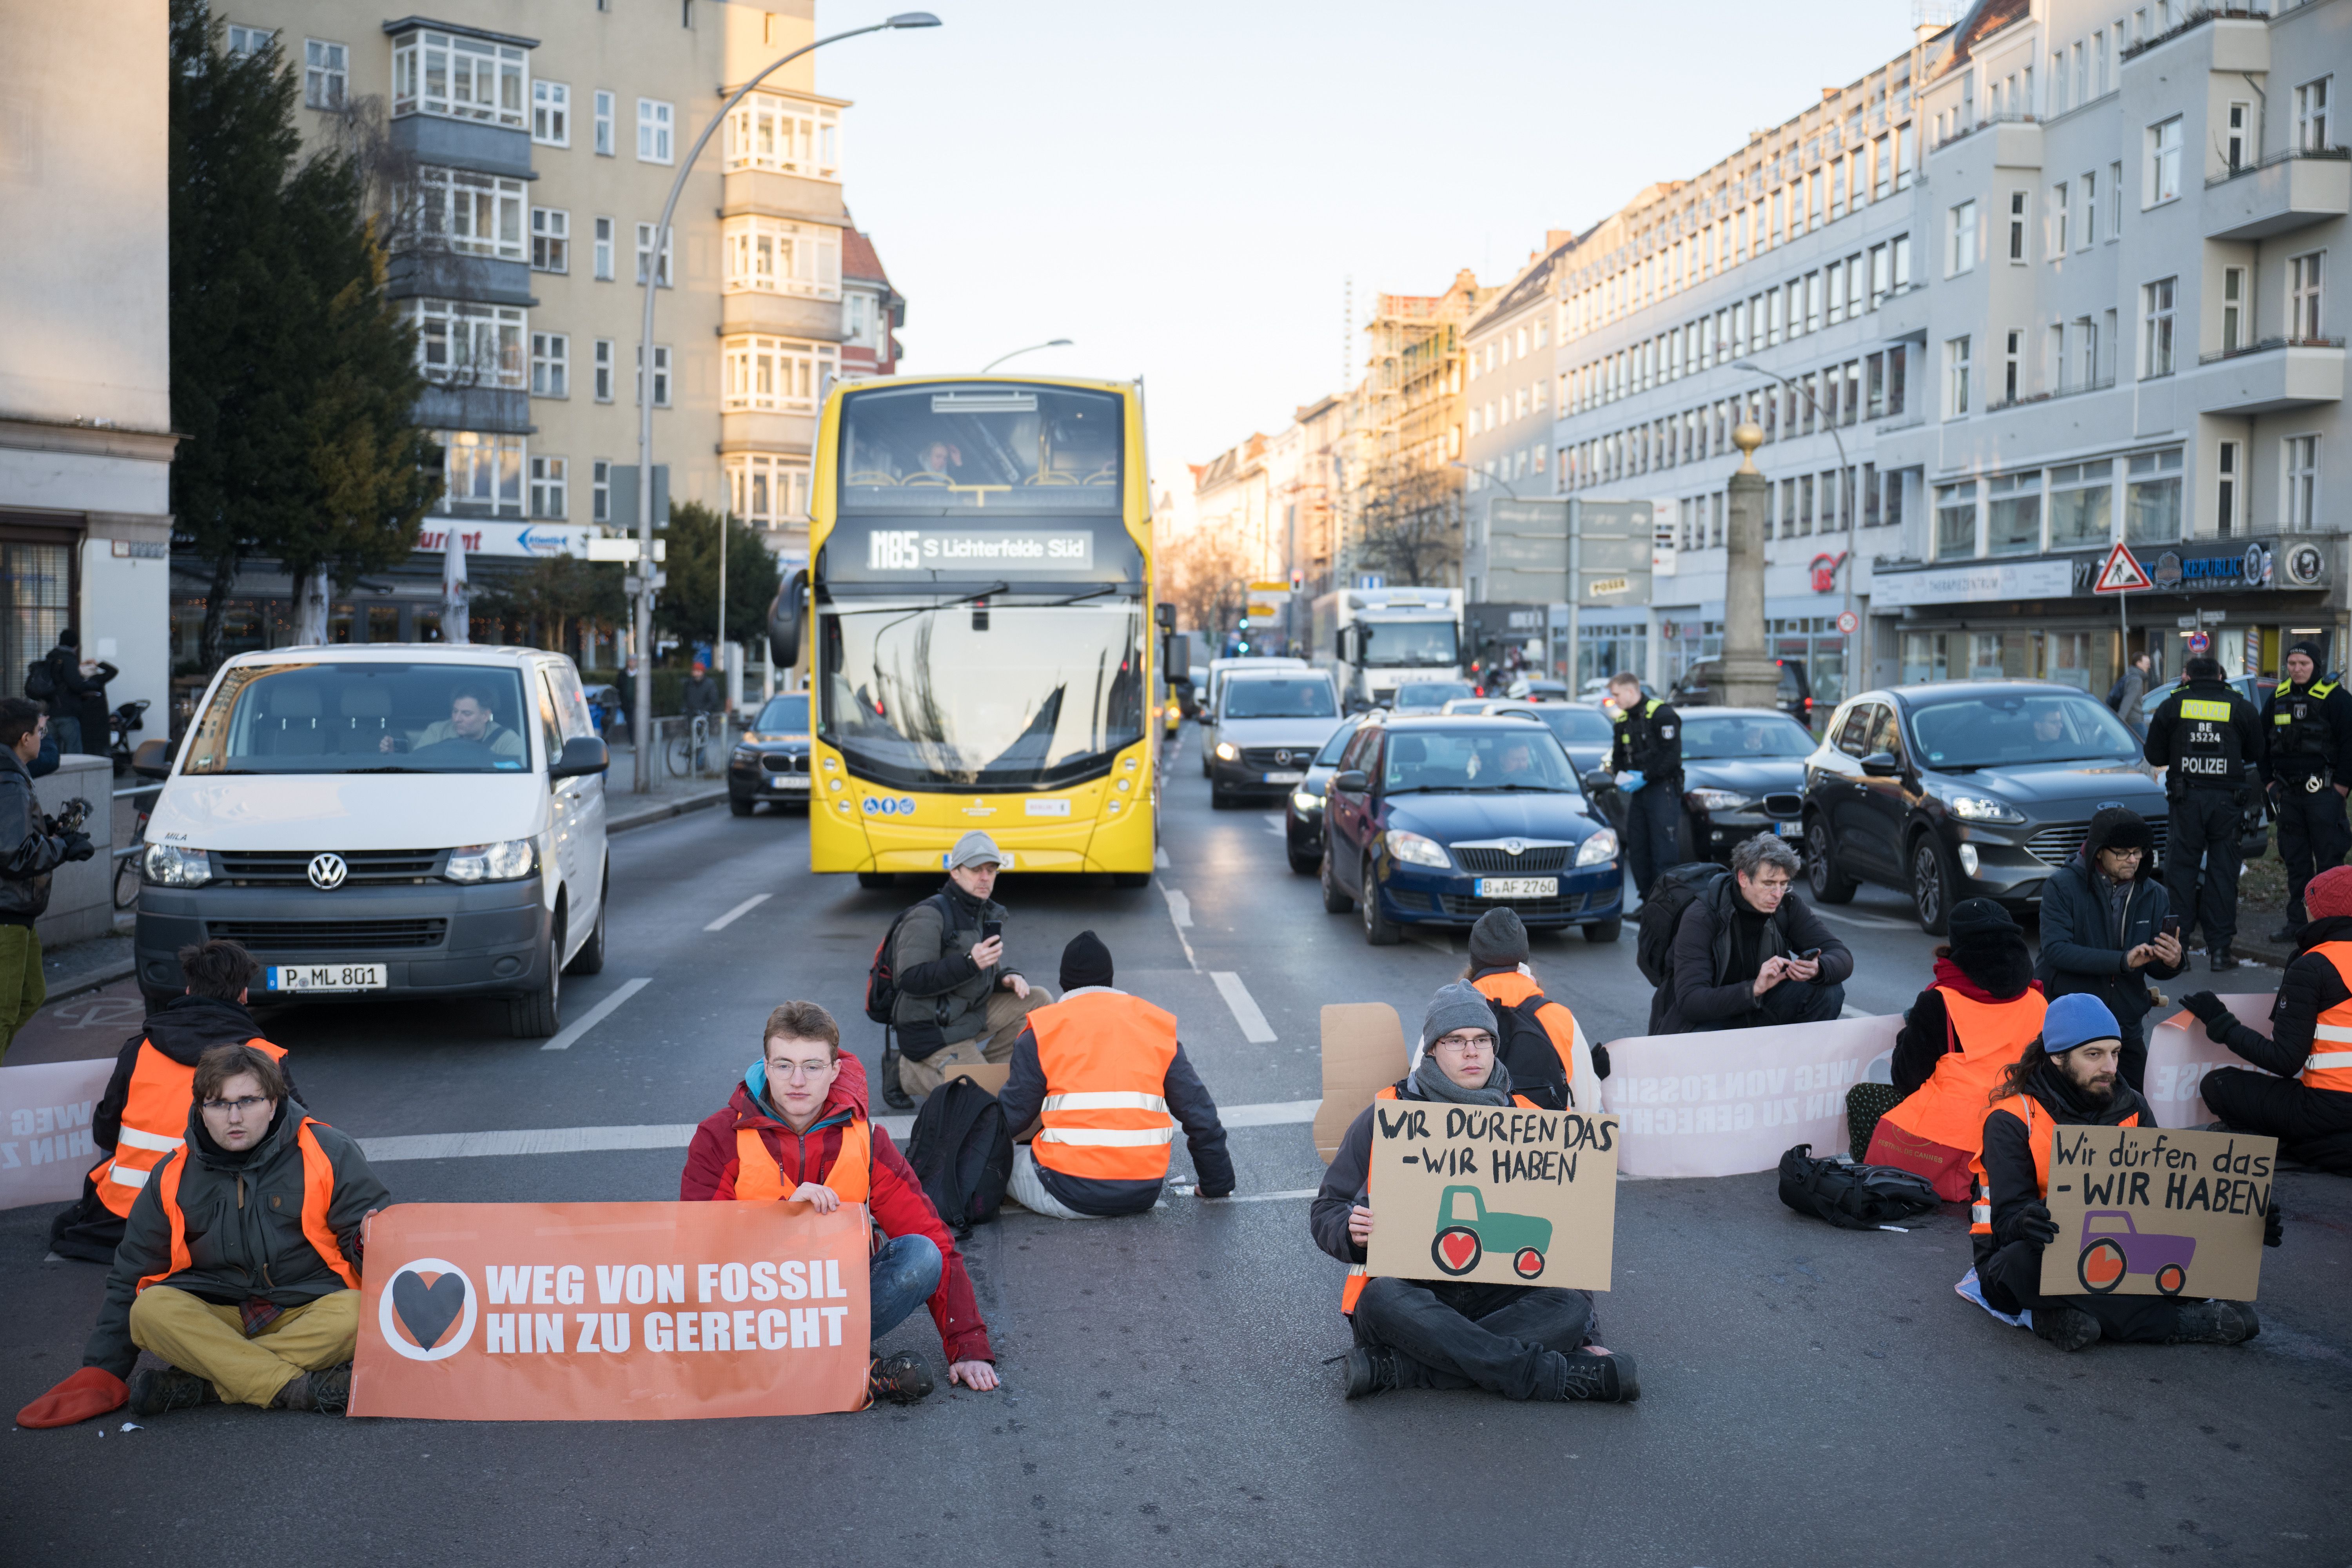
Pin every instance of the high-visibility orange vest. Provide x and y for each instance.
(1950, 1108)
(1512, 988)
(2025, 1108)
(1356, 1274)
(1105, 1116)
(760, 1175)
(318, 1194)
(2329, 1065)
(154, 1122)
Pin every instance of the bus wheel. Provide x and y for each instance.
(1130, 878)
(874, 879)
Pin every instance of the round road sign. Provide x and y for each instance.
(1848, 622)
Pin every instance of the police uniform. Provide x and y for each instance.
(2308, 751)
(1649, 741)
(2204, 735)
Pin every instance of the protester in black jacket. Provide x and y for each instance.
(2103, 928)
(1739, 953)
(1987, 961)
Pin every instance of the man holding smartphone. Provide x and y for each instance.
(958, 1004)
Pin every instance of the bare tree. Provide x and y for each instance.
(1409, 524)
(1207, 579)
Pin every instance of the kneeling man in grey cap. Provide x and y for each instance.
(958, 1004)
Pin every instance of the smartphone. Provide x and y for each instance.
(2173, 927)
(989, 929)
(1807, 956)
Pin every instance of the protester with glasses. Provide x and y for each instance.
(2102, 916)
(1522, 1341)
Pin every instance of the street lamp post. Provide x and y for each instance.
(1032, 348)
(642, 728)
(1845, 515)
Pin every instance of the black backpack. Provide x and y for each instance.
(1852, 1196)
(41, 679)
(962, 1153)
(1523, 1045)
(1662, 911)
(881, 985)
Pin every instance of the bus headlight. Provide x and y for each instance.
(170, 866)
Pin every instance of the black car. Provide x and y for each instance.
(1697, 688)
(1966, 789)
(1302, 811)
(1743, 773)
(771, 762)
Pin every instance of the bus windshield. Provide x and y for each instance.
(988, 446)
(1407, 645)
(969, 698)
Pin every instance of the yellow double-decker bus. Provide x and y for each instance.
(980, 627)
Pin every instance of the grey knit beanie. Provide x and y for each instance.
(1499, 940)
(1460, 1005)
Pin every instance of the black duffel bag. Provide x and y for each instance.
(1852, 1196)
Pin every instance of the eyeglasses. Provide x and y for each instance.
(799, 1069)
(1458, 1044)
(240, 1106)
(2126, 854)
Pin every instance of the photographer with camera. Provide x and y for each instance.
(32, 846)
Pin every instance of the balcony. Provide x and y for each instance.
(2271, 377)
(494, 410)
(2284, 192)
(463, 144)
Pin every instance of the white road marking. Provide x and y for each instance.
(1180, 907)
(1263, 1197)
(1160, 856)
(1274, 825)
(739, 911)
(596, 1015)
(1255, 1029)
(1873, 921)
(1272, 1113)
(1851, 1010)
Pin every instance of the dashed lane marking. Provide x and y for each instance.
(1160, 856)
(1255, 1029)
(596, 1015)
(1274, 825)
(1180, 907)
(739, 911)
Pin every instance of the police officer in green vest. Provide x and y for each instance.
(2204, 735)
(2306, 770)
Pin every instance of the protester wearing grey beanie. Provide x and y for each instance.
(1460, 1005)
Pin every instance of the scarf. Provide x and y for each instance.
(1430, 1080)
(1950, 974)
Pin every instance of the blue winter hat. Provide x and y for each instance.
(2077, 1019)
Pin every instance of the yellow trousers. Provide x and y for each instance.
(196, 1336)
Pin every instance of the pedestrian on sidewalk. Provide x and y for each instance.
(958, 1004)
(30, 853)
(1749, 952)
(2129, 691)
(2102, 929)
(2307, 771)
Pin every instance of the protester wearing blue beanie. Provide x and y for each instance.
(2076, 1020)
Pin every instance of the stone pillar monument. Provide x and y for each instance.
(1751, 678)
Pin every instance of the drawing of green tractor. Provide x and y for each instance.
(1466, 1231)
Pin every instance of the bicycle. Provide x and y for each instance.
(686, 751)
(126, 859)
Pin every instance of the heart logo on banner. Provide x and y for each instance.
(1458, 1247)
(427, 1310)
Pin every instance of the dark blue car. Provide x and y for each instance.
(1434, 821)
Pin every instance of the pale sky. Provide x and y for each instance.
(1184, 190)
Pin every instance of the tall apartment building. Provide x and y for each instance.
(524, 148)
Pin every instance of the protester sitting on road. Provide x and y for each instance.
(1749, 952)
(2310, 1040)
(2068, 1078)
(1958, 1040)
(796, 1131)
(249, 1302)
(140, 1117)
(2103, 928)
(958, 1006)
(1522, 1341)
(30, 854)
(472, 717)
(1535, 1036)
(1111, 1081)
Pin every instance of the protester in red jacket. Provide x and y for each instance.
(796, 1130)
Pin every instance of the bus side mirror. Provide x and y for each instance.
(1164, 616)
(784, 621)
(1176, 657)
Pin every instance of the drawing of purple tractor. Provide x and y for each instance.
(2113, 1246)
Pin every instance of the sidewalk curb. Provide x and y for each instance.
(91, 980)
(646, 817)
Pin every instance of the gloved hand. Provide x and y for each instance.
(2206, 1006)
(2034, 1223)
(1629, 781)
(93, 1391)
(2273, 1222)
(1601, 1061)
(78, 846)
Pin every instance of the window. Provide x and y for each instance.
(551, 239)
(463, 79)
(2013, 514)
(1956, 390)
(2115, 200)
(604, 250)
(2303, 296)
(1812, 302)
(471, 213)
(2012, 351)
(1905, 151)
(604, 123)
(645, 250)
(1882, 159)
(1874, 384)
(1870, 509)
(2301, 454)
(2164, 161)
(599, 491)
(770, 131)
(2233, 309)
(551, 364)
(1955, 521)
(2225, 489)
(1878, 274)
(2155, 328)
(1835, 274)
(326, 74)
(462, 344)
(661, 373)
(778, 257)
(482, 474)
(2152, 498)
(547, 487)
(2310, 115)
(245, 42)
(1900, 249)
(2237, 125)
(2090, 210)
(2017, 229)
(550, 119)
(2057, 220)
(2081, 504)
(604, 369)
(654, 118)
(768, 492)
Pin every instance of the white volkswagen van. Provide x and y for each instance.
(401, 820)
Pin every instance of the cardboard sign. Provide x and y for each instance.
(2151, 1211)
(612, 1312)
(1500, 1195)
(45, 1143)
(1363, 1053)
(2180, 1054)
(1728, 1104)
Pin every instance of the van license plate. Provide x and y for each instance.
(1293, 778)
(1518, 887)
(327, 977)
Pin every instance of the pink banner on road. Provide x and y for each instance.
(44, 1147)
(2179, 1056)
(1731, 1103)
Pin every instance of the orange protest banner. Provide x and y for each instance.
(612, 1312)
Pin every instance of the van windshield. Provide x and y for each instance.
(362, 718)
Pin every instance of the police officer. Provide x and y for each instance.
(2306, 768)
(2204, 735)
(1647, 758)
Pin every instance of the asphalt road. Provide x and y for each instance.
(1809, 1396)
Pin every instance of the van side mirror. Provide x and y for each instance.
(1881, 765)
(1353, 781)
(582, 756)
(153, 760)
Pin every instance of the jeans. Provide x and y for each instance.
(1653, 830)
(2012, 1281)
(903, 1275)
(1511, 1340)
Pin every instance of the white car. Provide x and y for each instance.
(404, 820)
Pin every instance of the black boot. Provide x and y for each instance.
(893, 1094)
(1605, 1378)
(2068, 1328)
(2216, 1323)
(154, 1390)
(901, 1379)
(1371, 1370)
(2218, 959)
